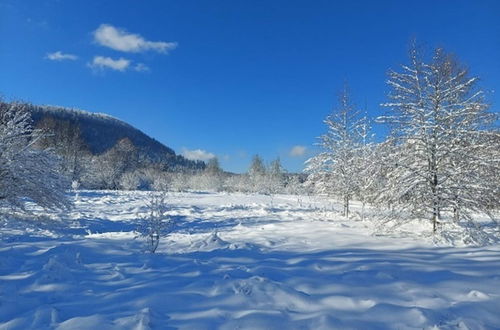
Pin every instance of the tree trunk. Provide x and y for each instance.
(435, 204)
(434, 223)
(456, 212)
(155, 240)
(346, 206)
(363, 211)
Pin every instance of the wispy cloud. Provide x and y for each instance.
(141, 67)
(60, 56)
(119, 39)
(197, 154)
(101, 63)
(298, 151)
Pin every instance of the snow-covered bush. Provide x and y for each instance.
(141, 179)
(130, 181)
(27, 173)
(236, 182)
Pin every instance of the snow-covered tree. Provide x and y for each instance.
(442, 147)
(276, 177)
(366, 164)
(213, 175)
(131, 180)
(237, 182)
(335, 170)
(295, 186)
(178, 181)
(210, 179)
(257, 166)
(27, 173)
(257, 175)
(156, 223)
(383, 163)
(64, 139)
(109, 167)
(213, 166)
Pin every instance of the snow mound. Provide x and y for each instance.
(211, 242)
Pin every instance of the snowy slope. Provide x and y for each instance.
(237, 262)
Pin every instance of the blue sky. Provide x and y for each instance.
(231, 78)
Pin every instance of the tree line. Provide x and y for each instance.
(441, 160)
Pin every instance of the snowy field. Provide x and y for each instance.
(238, 261)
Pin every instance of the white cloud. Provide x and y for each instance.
(59, 56)
(119, 39)
(298, 151)
(141, 67)
(101, 63)
(197, 154)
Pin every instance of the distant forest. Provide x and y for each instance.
(99, 151)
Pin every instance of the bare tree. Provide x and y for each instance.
(65, 139)
(156, 223)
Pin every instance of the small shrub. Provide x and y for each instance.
(156, 223)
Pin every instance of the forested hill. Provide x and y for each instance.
(99, 131)
(99, 150)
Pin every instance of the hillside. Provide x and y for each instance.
(101, 131)
(96, 142)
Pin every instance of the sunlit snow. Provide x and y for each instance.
(238, 261)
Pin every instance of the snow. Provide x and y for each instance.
(238, 261)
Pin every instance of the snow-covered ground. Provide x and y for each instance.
(238, 261)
